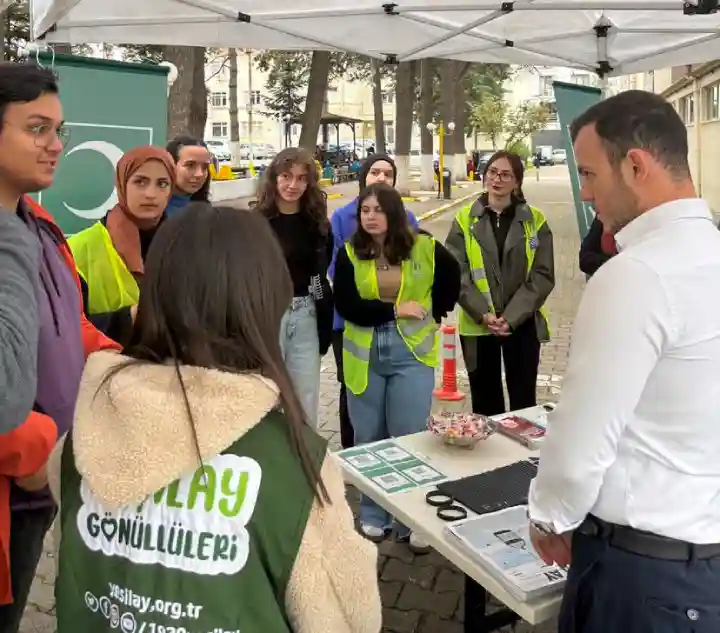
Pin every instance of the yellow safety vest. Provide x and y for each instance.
(467, 326)
(418, 274)
(111, 286)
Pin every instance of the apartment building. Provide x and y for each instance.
(695, 93)
(535, 85)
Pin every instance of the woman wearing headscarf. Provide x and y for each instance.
(110, 254)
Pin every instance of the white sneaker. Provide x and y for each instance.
(372, 532)
(417, 544)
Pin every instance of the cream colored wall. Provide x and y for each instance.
(703, 140)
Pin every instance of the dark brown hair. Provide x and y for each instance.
(175, 147)
(636, 119)
(400, 237)
(518, 170)
(214, 291)
(313, 201)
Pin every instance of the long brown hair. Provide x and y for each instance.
(215, 289)
(313, 201)
(400, 237)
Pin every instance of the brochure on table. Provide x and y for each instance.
(500, 542)
(537, 415)
(391, 467)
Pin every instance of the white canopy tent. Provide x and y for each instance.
(611, 37)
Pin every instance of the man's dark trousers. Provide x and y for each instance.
(613, 591)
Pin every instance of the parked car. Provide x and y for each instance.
(220, 149)
(559, 156)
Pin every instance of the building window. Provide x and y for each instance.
(295, 131)
(687, 109)
(220, 129)
(219, 99)
(257, 128)
(712, 102)
(253, 97)
(332, 87)
(388, 96)
(389, 133)
(546, 86)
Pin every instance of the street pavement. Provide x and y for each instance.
(422, 594)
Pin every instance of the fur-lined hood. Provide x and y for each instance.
(142, 408)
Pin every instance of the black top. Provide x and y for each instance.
(306, 250)
(592, 255)
(374, 312)
(501, 223)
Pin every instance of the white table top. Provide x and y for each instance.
(412, 510)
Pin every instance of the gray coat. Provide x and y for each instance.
(19, 329)
(516, 295)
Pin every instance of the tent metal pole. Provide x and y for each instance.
(451, 32)
(328, 46)
(610, 5)
(551, 59)
(214, 7)
(655, 31)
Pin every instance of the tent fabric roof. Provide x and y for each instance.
(612, 37)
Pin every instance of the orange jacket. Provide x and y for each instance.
(27, 448)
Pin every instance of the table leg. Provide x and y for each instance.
(477, 620)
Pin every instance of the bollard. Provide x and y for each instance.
(449, 389)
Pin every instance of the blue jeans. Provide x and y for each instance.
(397, 402)
(301, 353)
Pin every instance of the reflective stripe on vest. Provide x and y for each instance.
(467, 326)
(110, 284)
(418, 274)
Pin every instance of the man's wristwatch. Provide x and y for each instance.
(544, 528)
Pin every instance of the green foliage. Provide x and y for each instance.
(492, 118)
(285, 86)
(488, 117)
(300, 62)
(17, 29)
(142, 53)
(521, 148)
(525, 120)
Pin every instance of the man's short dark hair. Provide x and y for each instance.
(639, 120)
(22, 83)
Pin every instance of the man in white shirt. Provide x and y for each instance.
(629, 475)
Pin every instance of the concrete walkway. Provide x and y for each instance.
(422, 594)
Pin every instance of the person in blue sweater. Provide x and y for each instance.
(376, 168)
(192, 172)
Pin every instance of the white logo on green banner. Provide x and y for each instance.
(84, 186)
(197, 524)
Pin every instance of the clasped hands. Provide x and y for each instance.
(496, 325)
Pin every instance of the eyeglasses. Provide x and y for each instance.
(44, 135)
(502, 176)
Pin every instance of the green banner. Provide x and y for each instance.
(110, 107)
(571, 101)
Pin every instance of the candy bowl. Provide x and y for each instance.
(461, 429)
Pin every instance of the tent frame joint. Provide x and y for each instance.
(507, 7)
(601, 30)
(604, 69)
(243, 17)
(390, 8)
(391, 60)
